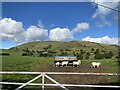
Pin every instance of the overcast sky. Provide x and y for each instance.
(24, 22)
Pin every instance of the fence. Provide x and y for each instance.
(64, 86)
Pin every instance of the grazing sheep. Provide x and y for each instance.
(95, 64)
(57, 64)
(64, 63)
(76, 63)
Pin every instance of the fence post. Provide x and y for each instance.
(43, 81)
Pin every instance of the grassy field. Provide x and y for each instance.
(16, 62)
(30, 63)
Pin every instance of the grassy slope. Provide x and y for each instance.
(66, 45)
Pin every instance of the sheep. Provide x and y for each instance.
(95, 64)
(64, 63)
(76, 63)
(57, 64)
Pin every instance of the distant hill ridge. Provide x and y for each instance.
(73, 45)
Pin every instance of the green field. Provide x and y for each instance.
(16, 62)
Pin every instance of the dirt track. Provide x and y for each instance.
(81, 68)
(75, 79)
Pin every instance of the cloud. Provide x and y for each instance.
(61, 34)
(10, 29)
(65, 34)
(101, 12)
(81, 26)
(100, 24)
(13, 30)
(34, 33)
(40, 24)
(104, 40)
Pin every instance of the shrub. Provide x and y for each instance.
(108, 55)
(24, 54)
(87, 55)
(79, 56)
(97, 51)
(5, 54)
(25, 50)
(92, 49)
(99, 56)
(27, 54)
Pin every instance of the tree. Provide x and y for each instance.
(108, 55)
(82, 52)
(79, 56)
(74, 53)
(87, 55)
(60, 49)
(63, 53)
(26, 50)
(24, 54)
(97, 51)
(92, 49)
(111, 53)
(99, 56)
(33, 51)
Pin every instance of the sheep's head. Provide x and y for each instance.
(99, 63)
(79, 61)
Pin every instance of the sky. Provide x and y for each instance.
(24, 22)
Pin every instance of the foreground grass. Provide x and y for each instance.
(16, 62)
(29, 63)
(26, 63)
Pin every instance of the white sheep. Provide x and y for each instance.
(57, 64)
(95, 64)
(64, 63)
(76, 63)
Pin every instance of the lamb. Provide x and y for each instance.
(95, 64)
(76, 63)
(57, 64)
(64, 63)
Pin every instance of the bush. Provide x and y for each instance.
(99, 56)
(63, 53)
(27, 54)
(108, 55)
(82, 52)
(79, 56)
(87, 55)
(97, 51)
(92, 49)
(25, 50)
(5, 54)
(24, 54)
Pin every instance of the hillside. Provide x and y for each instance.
(65, 45)
(71, 46)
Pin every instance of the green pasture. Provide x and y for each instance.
(17, 62)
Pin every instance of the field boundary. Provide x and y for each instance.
(44, 75)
